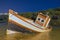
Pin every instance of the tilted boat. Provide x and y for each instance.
(41, 24)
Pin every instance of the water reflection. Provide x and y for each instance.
(3, 37)
(3, 27)
(26, 36)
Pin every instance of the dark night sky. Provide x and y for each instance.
(28, 5)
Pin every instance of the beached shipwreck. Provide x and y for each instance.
(18, 22)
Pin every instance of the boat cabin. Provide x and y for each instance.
(42, 20)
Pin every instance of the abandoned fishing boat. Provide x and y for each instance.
(41, 24)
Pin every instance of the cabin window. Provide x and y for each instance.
(38, 18)
(42, 20)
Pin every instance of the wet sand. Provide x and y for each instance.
(52, 35)
(26, 36)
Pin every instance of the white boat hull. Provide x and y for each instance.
(25, 23)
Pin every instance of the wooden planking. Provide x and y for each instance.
(11, 21)
(46, 22)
